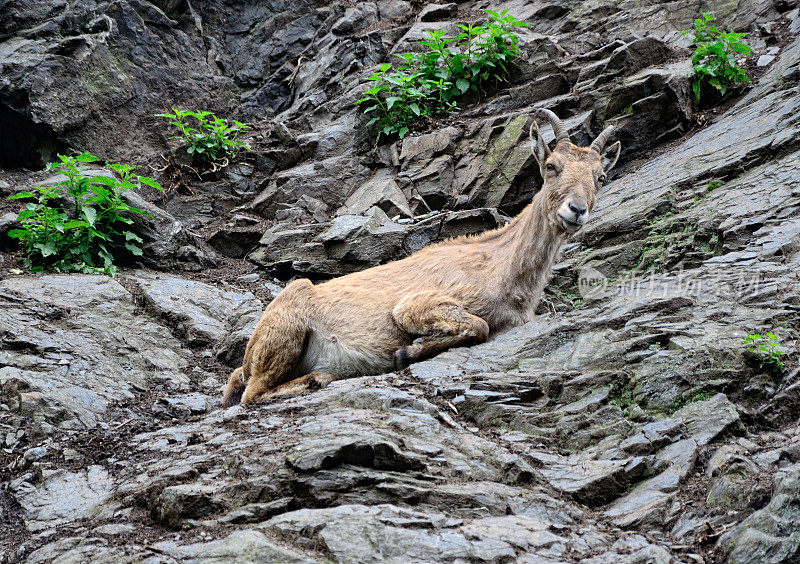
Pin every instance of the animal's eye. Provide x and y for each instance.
(602, 179)
(550, 167)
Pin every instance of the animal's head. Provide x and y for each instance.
(572, 175)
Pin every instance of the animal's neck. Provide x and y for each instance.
(533, 245)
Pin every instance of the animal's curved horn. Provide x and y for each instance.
(558, 128)
(600, 142)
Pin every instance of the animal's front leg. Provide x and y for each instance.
(441, 323)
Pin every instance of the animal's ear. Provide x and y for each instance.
(610, 156)
(540, 149)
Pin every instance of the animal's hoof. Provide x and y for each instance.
(233, 399)
(318, 381)
(401, 359)
(234, 389)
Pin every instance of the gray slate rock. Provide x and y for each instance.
(771, 534)
(103, 351)
(202, 314)
(381, 191)
(64, 497)
(240, 546)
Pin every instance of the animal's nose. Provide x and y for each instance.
(577, 208)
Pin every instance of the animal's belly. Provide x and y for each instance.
(325, 353)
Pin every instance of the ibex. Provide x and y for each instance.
(454, 293)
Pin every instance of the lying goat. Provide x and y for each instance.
(454, 293)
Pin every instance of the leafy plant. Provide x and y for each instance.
(764, 350)
(430, 82)
(79, 224)
(397, 99)
(714, 59)
(491, 48)
(211, 137)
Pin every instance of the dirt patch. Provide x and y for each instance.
(13, 533)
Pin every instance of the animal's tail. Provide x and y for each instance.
(234, 389)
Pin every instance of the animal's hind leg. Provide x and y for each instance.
(439, 321)
(311, 381)
(277, 343)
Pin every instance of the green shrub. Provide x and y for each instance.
(211, 138)
(79, 224)
(714, 59)
(430, 82)
(764, 350)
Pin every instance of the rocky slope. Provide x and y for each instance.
(624, 424)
